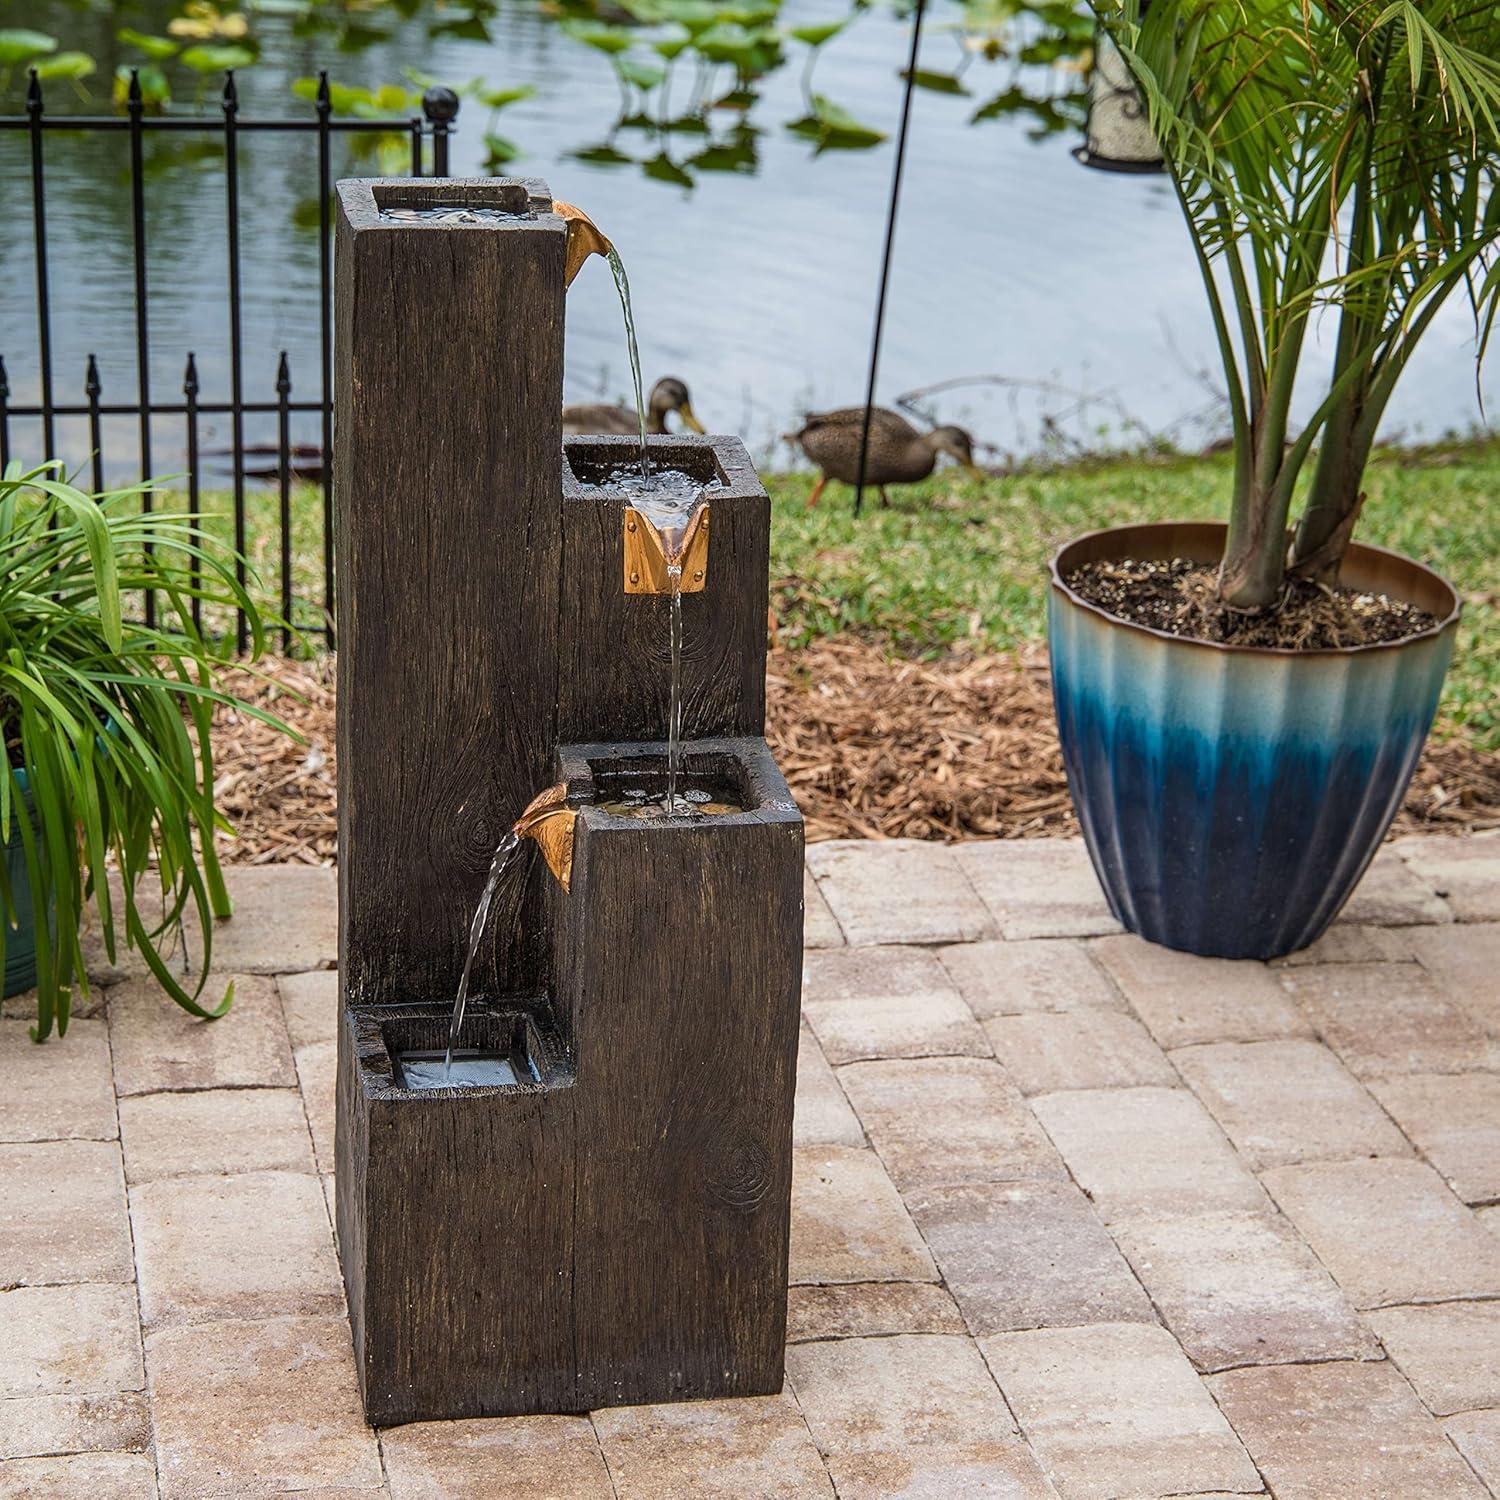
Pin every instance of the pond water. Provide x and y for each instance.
(755, 285)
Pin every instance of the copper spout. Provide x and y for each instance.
(584, 239)
(549, 820)
(648, 554)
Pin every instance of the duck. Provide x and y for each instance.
(667, 395)
(898, 453)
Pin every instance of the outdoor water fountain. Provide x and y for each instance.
(609, 1223)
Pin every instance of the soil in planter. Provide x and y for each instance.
(1179, 597)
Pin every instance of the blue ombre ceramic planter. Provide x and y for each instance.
(1231, 796)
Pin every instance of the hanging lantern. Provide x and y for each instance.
(1119, 137)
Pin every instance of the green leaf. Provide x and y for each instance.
(662, 168)
(216, 59)
(603, 156)
(65, 65)
(937, 83)
(155, 90)
(504, 98)
(158, 47)
(597, 35)
(19, 46)
(815, 36)
(498, 150)
(643, 76)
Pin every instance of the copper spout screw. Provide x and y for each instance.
(630, 526)
(697, 575)
(635, 578)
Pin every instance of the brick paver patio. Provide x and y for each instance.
(1073, 1216)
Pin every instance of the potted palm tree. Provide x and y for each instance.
(106, 719)
(1241, 706)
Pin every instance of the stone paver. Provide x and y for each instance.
(822, 1115)
(1384, 1019)
(310, 1003)
(1476, 1434)
(251, 1246)
(1465, 960)
(1116, 1409)
(886, 1002)
(1027, 1255)
(1354, 1429)
(499, 1459)
(1454, 1121)
(820, 928)
(1242, 1289)
(98, 1476)
(1393, 894)
(247, 1409)
(225, 1131)
(48, 1426)
(898, 891)
(943, 1120)
(912, 1416)
(1450, 1352)
(1047, 975)
(158, 1046)
(1288, 1101)
(1038, 888)
(286, 919)
(870, 1309)
(1466, 872)
(62, 1213)
(1389, 1231)
(61, 1090)
(729, 1449)
(1097, 1050)
(214, 1131)
(69, 1340)
(848, 1221)
(1353, 943)
(1184, 999)
(1147, 1151)
(317, 1072)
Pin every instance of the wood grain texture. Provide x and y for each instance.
(456, 1212)
(683, 958)
(448, 353)
(616, 1231)
(615, 647)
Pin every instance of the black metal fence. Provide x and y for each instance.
(431, 130)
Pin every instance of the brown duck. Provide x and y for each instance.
(668, 395)
(898, 453)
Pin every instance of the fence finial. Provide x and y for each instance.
(325, 98)
(92, 385)
(34, 94)
(283, 376)
(440, 105)
(4, 381)
(133, 97)
(231, 93)
(190, 377)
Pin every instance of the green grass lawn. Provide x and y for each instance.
(960, 559)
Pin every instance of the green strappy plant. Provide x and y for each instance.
(106, 723)
(1334, 157)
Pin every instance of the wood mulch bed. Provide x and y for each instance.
(872, 747)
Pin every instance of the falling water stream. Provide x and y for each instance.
(674, 694)
(622, 286)
(477, 1068)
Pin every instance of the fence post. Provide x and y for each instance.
(440, 105)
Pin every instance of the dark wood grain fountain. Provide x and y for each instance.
(613, 1228)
